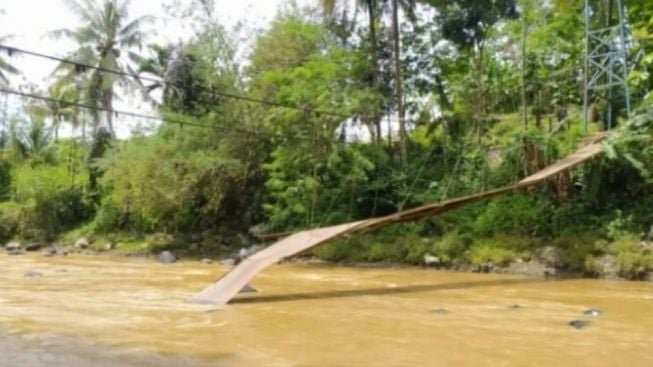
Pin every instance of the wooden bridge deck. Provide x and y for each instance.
(221, 292)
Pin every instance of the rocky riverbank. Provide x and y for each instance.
(547, 262)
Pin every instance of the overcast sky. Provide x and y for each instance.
(28, 21)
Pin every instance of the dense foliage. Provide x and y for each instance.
(492, 92)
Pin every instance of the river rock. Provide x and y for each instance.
(430, 260)
(228, 262)
(593, 312)
(166, 257)
(249, 251)
(16, 252)
(13, 246)
(54, 251)
(248, 289)
(82, 243)
(32, 274)
(549, 255)
(207, 261)
(440, 311)
(516, 307)
(31, 247)
(579, 324)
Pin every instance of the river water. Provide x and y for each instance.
(111, 311)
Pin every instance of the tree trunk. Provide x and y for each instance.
(107, 104)
(523, 66)
(398, 81)
(371, 4)
(479, 103)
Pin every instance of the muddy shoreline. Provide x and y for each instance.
(533, 268)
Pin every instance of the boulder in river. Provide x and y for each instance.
(13, 246)
(54, 251)
(430, 260)
(248, 289)
(82, 243)
(249, 251)
(549, 255)
(440, 311)
(593, 312)
(579, 324)
(166, 257)
(207, 261)
(32, 274)
(16, 252)
(31, 247)
(228, 262)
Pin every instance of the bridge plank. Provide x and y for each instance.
(221, 292)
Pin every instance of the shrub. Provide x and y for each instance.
(416, 251)
(10, 216)
(633, 262)
(339, 250)
(5, 181)
(516, 213)
(451, 248)
(634, 265)
(593, 266)
(490, 253)
(575, 250)
(45, 217)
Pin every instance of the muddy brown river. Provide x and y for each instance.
(111, 311)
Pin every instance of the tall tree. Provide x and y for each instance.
(61, 112)
(399, 94)
(106, 38)
(372, 8)
(467, 24)
(525, 10)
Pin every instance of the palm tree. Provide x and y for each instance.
(170, 64)
(106, 39)
(5, 69)
(31, 140)
(60, 112)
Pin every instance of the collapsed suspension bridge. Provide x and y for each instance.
(221, 292)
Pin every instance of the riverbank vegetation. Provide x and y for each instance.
(349, 113)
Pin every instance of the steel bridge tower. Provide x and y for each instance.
(607, 45)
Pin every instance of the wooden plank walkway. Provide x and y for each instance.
(228, 286)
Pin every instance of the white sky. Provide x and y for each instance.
(28, 21)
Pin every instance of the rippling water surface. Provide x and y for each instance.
(105, 311)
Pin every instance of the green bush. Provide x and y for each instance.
(451, 248)
(45, 217)
(633, 262)
(5, 181)
(339, 250)
(576, 249)
(10, 220)
(634, 265)
(490, 253)
(515, 213)
(593, 266)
